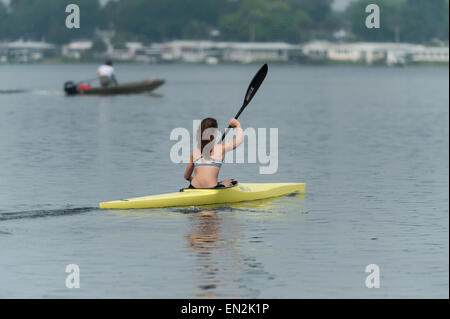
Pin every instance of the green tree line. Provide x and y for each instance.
(236, 20)
(416, 21)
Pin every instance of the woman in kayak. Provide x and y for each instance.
(206, 160)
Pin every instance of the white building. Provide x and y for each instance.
(74, 49)
(371, 52)
(136, 51)
(212, 52)
(24, 51)
(431, 54)
(258, 51)
(316, 50)
(374, 52)
(188, 51)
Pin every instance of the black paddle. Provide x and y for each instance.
(251, 91)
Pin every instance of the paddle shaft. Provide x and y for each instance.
(236, 117)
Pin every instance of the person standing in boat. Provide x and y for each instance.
(106, 75)
(206, 160)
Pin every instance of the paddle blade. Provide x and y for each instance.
(251, 91)
(255, 84)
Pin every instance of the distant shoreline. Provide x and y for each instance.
(312, 63)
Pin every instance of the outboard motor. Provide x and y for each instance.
(70, 88)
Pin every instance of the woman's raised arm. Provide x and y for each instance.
(228, 146)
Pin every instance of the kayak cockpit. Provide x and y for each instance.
(234, 183)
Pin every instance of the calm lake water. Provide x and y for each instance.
(371, 144)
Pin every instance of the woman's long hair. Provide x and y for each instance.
(205, 135)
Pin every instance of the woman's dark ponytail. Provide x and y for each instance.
(208, 123)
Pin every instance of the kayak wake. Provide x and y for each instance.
(4, 216)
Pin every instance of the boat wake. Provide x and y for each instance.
(48, 92)
(45, 213)
(13, 91)
(39, 92)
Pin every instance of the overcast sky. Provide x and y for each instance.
(341, 4)
(338, 4)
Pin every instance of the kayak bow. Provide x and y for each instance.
(241, 192)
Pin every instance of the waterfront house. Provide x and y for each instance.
(374, 52)
(75, 49)
(240, 52)
(21, 51)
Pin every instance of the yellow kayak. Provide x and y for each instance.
(241, 192)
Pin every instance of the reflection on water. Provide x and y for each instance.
(204, 239)
(221, 265)
(223, 243)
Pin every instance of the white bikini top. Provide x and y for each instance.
(203, 162)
